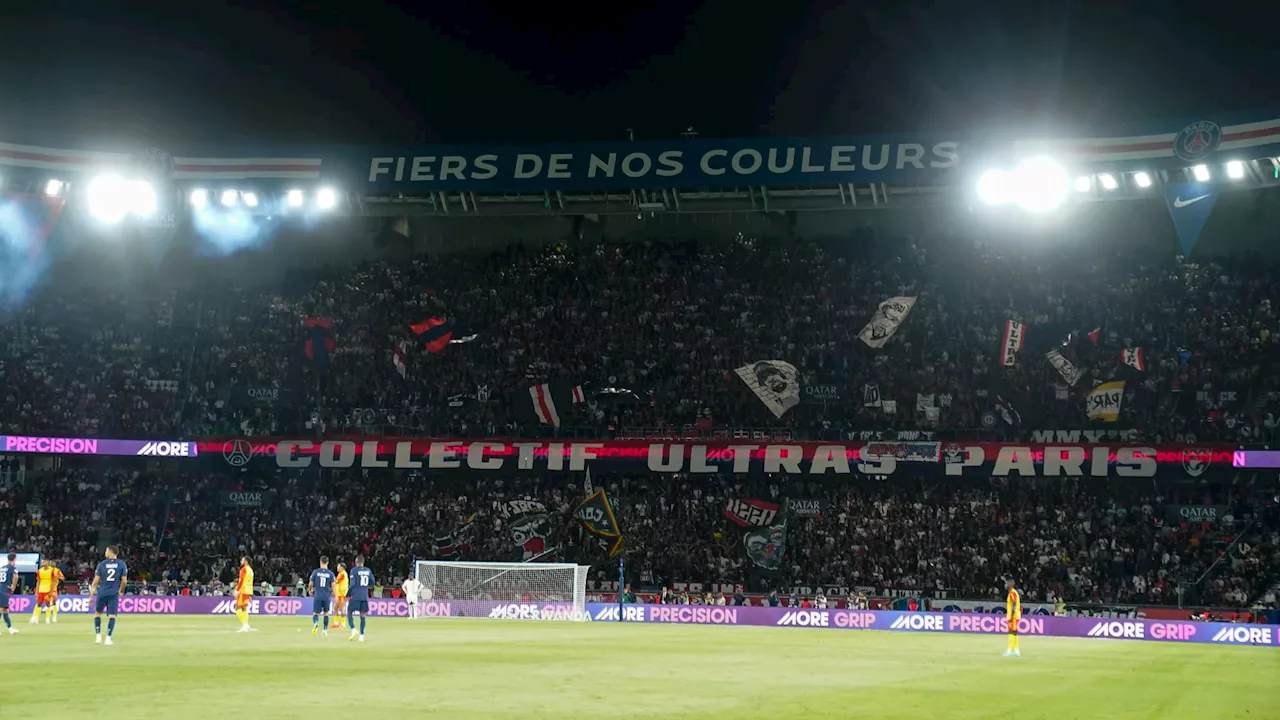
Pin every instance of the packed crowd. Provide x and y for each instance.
(668, 322)
(1079, 541)
(184, 356)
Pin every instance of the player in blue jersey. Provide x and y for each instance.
(104, 594)
(321, 589)
(361, 584)
(8, 586)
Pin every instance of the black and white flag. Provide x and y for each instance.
(1070, 373)
(888, 318)
(775, 382)
(871, 396)
(1008, 412)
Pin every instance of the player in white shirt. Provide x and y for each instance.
(412, 591)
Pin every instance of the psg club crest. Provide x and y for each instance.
(238, 453)
(1196, 461)
(1197, 140)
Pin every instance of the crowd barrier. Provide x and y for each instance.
(1183, 631)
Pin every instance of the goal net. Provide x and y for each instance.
(515, 591)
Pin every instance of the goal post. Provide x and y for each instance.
(514, 591)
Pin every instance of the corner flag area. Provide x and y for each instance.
(198, 667)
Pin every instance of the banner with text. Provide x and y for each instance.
(738, 457)
(243, 499)
(1195, 513)
(689, 163)
(1184, 631)
(975, 623)
(805, 507)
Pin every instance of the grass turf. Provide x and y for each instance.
(198, 667)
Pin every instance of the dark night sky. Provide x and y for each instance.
(475, 70)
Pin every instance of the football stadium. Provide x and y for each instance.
(956, 425)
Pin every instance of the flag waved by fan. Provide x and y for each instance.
(319, 344)
(775, 382)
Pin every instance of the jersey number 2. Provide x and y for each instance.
(111, 574)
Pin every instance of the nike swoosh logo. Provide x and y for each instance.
(1179, 202)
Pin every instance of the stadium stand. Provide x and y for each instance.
(667, 323)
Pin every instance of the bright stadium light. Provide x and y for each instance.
(112, 197)
(199, 198)
(250, 199)
(141, 198)
(1084, 184)
(108, 198)
(1201, 173)
(294, 198)
(1041, 184)
(326, 199)
(992, 187)
(53, 188)
(228, 198)
(1143, 179)
(1108, 181)
(1235, 169)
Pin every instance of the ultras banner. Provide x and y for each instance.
(809, 458)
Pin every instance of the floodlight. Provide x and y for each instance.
(326, 199)
(228, 198)
(1235, 169)
(1041, 184)
(112, 197)
(294, 198)
(993, 187)
(1108, 181)
(108, 198)
(1084, 184)
(250, 199)
(53, 188)
(141, 198)
(199, 198)
(1201, 172)
(1143, 179)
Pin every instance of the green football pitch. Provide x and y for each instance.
(199, 667)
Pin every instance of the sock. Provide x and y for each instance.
(362, 624)
(6, 621)
(36, 615)
(315, 620)
(1015, 643)
(111, 626)
(242, 616)
(351, 623)
(53, 609)
(326, 622)
(97, 625)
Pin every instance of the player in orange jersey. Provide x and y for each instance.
(1012, 614)
(58, 577)
(340, 598)
(44, 592)
(244, 594)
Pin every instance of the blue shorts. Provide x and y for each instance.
(358, 606)
(320, 606)
(4, 602)
(106, 604)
